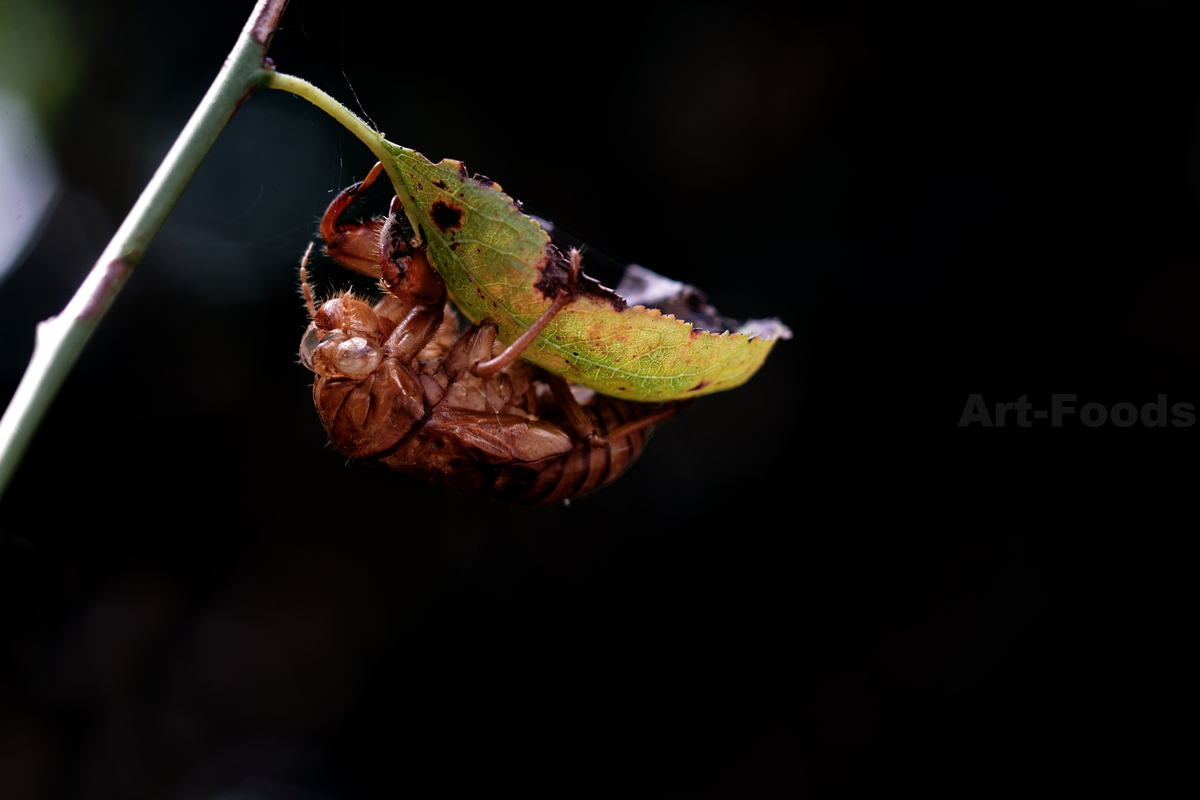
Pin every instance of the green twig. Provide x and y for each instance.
(61, 339)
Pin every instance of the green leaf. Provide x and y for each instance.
(498, 262)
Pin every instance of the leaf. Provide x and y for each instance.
(498, 262)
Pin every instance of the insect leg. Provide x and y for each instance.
(514, 350)
(586, 430)
(404, 268)
(472, 344)
(666, 411)
(353, 245)
(579, 421)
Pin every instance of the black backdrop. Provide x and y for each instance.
(816, 585)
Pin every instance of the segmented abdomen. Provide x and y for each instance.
(584, 468)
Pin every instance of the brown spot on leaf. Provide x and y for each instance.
(554, 278)
(462, 170)
(483, 180)
(445, 216)
(699, 386)
(440, 184)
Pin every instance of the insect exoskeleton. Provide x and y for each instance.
(396, 383)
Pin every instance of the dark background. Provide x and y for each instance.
(816, 585)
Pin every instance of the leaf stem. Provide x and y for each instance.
(372, 138)
(61, 339)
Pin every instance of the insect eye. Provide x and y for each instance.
(308, 344)
(355, 357)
